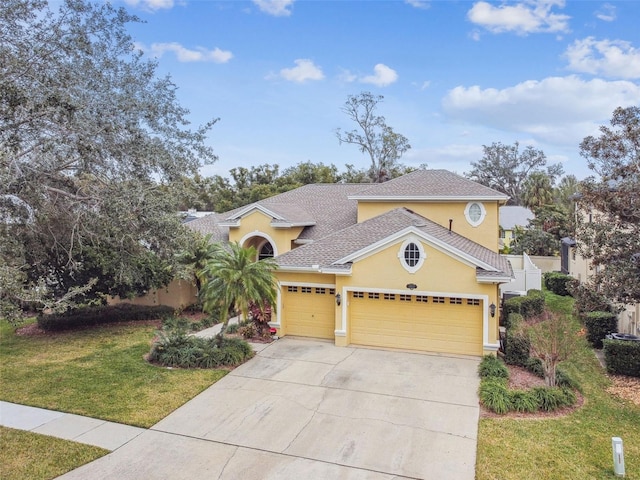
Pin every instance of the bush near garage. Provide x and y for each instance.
(495, 394)
(516, 344)
(557, 283)
(175, 348)
(528, 306)
(599, 325)
(622, 357)
(100, 315)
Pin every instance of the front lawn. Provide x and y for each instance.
(98, 372)
(577, 446)
(27, 455)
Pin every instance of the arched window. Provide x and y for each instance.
(266, 251)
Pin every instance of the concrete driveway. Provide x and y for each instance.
(305, 409)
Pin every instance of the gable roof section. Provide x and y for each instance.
(335, 252)
(210, 225)
(282, 215)
(429, 185)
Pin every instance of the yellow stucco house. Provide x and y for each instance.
(412, 263)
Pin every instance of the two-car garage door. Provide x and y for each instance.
(417, 322)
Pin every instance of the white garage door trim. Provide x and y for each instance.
(484, 298)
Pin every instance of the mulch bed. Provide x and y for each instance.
(522, 379)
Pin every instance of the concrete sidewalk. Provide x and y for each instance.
(109, 435)
(92, 431)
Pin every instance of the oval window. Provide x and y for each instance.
(475, 213)
(411, 254)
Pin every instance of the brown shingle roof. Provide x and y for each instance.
(429, 185)
(331, 251)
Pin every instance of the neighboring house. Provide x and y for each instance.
(512, 216)
(412, 263)
(574, 264)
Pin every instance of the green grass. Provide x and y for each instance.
(98, 372)
(577, 446)
(26, 455)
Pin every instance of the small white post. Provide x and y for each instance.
(618, 456)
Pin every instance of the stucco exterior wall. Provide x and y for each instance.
(257, 224)
(486, 234)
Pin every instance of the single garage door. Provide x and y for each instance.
(416, 322)
(309, 311)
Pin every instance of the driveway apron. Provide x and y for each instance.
(307, 409)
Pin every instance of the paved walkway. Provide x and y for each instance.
(87, 430)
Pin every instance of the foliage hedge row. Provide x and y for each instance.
(528, 306)
(599, 325)
(177, 349)
(99, 315)
(587, 299)
(495, 394)
(558, 283)
(622, 357)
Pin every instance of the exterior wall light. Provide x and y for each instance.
(411, 286)
(492, 309)
(338, 299)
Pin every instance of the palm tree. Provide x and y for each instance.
(232, 279)
(196, 257)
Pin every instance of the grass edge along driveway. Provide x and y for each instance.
(98, 372)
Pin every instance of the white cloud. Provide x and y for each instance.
(151, 4)
(383, 76)
(611, 58)
(183, 54)
(558, 110)
(528, 16)
(422, 4)
(607, 13)
(304, 70)
(277, 8)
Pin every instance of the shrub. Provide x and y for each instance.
(523, 401)
(528, 306)
(599, 325)
(557, 282)
(587, 299)
(494, 395)
(534, 365)
(553, 398)
(492, 366)
(513, 320)
(516, 342)
(176, 349)
(622, 357)
(564, 379)
(100, 315)
(248, 331)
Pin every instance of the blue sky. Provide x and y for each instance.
(455, 75)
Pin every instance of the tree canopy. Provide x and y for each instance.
(373, 136)
(506, 168)
(87, 133)
(609, 213)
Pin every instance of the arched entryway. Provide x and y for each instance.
(264, 245)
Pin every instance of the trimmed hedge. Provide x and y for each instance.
(516, 345)
(557, 283)
(622, 357)
(99, 315)
(599, 325)
(528, 306)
